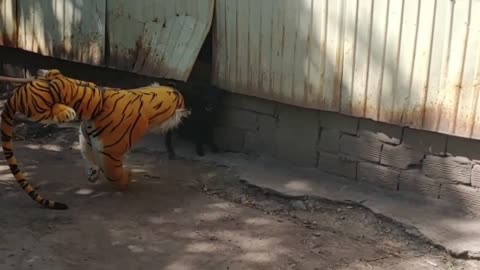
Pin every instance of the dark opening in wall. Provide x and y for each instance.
(202, 69)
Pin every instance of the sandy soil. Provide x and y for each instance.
(185, 214)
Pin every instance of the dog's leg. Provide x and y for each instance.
(199, 137)
(210, 139)
(169, 145)
(199, 147)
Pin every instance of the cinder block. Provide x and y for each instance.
(256, 143)
(296, 136)
(341, 122)
(360, 148)
(250, 103)
(262, 141)
(337, 165)
(266, 126)
(414, 181)
(425, 141)
(329, 140)
(383, 132)
(454, 169)
(237, 118)
(378, 175)
(230, 139)
(463, 147)
(400, 156)
(475, 179)
(461, 195)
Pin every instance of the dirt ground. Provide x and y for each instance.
(185, 214)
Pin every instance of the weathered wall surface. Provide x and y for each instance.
(410, 63)
(70, 30)
(160, 38)
(8, 23)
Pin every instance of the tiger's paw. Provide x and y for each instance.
(93, 174)
(63, 113)
(125, 181)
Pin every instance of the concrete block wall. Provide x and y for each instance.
(391, 157)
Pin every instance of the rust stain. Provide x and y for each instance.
(8, 41)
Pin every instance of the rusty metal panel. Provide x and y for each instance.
(410, 63)
(8, 23)
(67, 29)
(158, 37)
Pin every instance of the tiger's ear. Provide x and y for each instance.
(42, 72)
(172, 84)
(48, 72)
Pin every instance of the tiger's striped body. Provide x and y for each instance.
(113, 120)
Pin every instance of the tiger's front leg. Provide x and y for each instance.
(98, 159)
(59, 113)
(111, 147)
(88, 154)
(113, 170)
(62, 113)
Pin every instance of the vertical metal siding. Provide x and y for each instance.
(411, 63)
(8, 23)
(157, 37)
(67, 29)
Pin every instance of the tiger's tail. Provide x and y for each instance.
(6, 129)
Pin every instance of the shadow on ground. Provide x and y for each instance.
(185, 214)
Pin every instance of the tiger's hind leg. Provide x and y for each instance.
(88, 154)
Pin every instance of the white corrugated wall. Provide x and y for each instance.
(411, 63)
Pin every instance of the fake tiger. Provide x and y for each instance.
(113, 120)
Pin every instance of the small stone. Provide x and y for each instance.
(299, 205)
(317, 233)
(135, 249)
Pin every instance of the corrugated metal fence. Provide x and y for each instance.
(151, 37)
(411, 63)
(406, 62)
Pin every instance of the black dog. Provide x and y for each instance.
(203, 101)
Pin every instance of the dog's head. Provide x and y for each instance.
(211, 98)
(200, 97)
